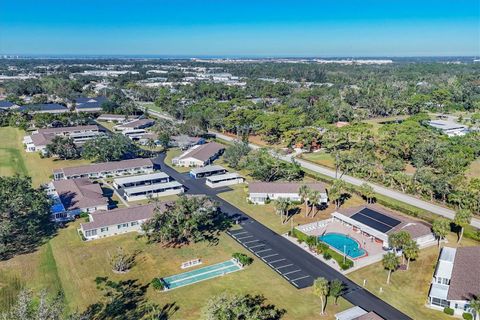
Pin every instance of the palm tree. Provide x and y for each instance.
(336, 289)
(151, 144)
(304, 192)
(366, 190)
(462, 219)
(411, 251)
(281, 206)
(475, 306)
(315, 197)
(440, 228)
(390, 262)
(320, 289)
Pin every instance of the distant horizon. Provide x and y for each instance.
(281, 28)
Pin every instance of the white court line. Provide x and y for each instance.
(270, 255)
(250, 241)
(256, 246)
(263, 251)
(277, 260)
(298, 270)
(299, 278)
(287, 265)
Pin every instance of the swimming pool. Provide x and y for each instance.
(205, 273)
(344, 244)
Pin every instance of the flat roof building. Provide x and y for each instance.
(456, 279)
(135, 124)
(106, 169)
(153, 191)
(199, 155)
(449, 127)
(120, 118)
(141, 180)
(207, 171)
(223, 180)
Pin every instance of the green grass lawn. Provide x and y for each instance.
(322, 158)
(72, 264)
(408, 290)
(474, 169)
(172, 153)
(14, 159)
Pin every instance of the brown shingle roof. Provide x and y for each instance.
(416, 228)
(204, 151)
(61, 130)
(106, 166)
(123, 215)
(465, 280)
(79, 194)
(283, 187)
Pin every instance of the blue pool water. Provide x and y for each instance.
(201, 274)
(343, 243)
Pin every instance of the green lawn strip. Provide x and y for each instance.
(48, 269)
(11, 162)
(172, 153)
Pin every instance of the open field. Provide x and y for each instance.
(408, 290)
(322, 158)
(21, 162)
(474, 169)
(74, 264)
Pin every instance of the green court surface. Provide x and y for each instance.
(205, 273)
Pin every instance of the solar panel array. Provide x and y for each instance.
(375, 220)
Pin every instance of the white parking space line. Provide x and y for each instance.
(263, 251)
(256, 246)
(251, 241)
(287, 265)
(277, 261)
(299, 278)
(245, 237)
(298, 270)
(237, 233)
(270, 255)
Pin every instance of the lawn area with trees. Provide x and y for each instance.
(408, 289)
(73, 265)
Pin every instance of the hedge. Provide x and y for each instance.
(449, 311)
(467, 316)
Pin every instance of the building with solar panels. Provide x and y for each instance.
(378, 223)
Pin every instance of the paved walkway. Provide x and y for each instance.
(115, 192)
(397, 195)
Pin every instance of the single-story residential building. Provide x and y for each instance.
(110, 223)
(449, 127)
(119, 118)
(141, 180)
(135, 124)
(199, 155)
(74, 196)
(378, 223)
(222, 180)
(207, 171)
(262, 192)
(456, 279)
(134, 134)
(357, 313)
(39, 139)
(106, 169)
(44, 108)
(85, 104)
(153, 191)
(7, 105)
(185, 142)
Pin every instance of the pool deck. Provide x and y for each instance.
(372, 248)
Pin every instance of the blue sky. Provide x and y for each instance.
(241, 28)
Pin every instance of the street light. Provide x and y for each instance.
(344, 252)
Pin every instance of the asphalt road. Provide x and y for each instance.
(304, 267)
(436, 209)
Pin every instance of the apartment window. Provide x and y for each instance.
(104, 229)
(123, 225)
(440, 302)
(90, 233)
(134, 223)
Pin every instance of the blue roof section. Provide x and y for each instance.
(43, 107)
(87, 103)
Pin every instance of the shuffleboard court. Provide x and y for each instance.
(205, 273)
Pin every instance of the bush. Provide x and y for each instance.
(322, 247)
(327, 255)
(311, 241)
(242, 258)
(467, 316)
(346, 265)
(157, 284)
(83, 215)
(448, 311)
